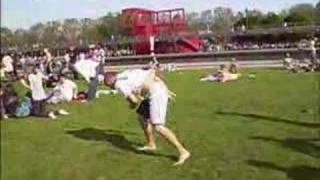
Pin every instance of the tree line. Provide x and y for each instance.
(57, 34)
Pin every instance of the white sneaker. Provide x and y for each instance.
(52, 116)
(63, 112)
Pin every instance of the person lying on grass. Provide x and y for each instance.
(222, 75)
(145, 90)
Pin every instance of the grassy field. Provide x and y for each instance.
(263, 128)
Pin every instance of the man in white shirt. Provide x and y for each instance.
(22, 60)
(101, 54)
(86, 68)
(144, 85)
(314, 60)
(66, 90)
(90, 70)
(35, 84)
(7, 68)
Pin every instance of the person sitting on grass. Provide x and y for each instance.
(65, 91)
(295, 66)
(39, 97)
(230, 76)
(11, 106)
(289, 63)
(217, 76)
(223, 74)
(233, 72)
(234, 66)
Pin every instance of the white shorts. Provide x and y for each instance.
(158, 104)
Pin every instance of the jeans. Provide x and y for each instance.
(39, 108)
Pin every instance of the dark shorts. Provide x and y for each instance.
(144, 109)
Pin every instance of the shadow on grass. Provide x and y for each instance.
(270, 118)
(305, 146)
(294, 172)
(115, 138)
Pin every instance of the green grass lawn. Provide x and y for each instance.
(263, 128)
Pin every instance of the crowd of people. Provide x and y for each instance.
(234, 46)
(247, 46)
(309, 63)
(14, 64)
(144, 89)
(58, 75)
(47, 80)
(50, 80)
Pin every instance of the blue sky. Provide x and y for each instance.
(24, 13)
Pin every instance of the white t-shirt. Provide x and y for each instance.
(313, 47)
(22, 60)
(86, 68)
(131, 81)
(67, 89)
(66, 57)
(288, 60)
(7, 62)
(101, 55)
(312, 43)
(48, 56)
(36, 86)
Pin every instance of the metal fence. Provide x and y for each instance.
(240, 55)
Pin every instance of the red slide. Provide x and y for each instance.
(189, 45)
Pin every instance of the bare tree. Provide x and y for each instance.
(223, 21)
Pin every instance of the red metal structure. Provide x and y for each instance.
(169, 27)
